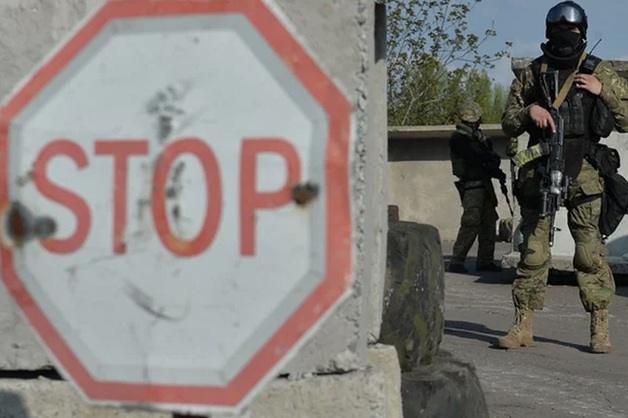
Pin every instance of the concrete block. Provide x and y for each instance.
(29, 29)
(382, 358)
(19, 348)
(447, 388)
(341, 35)
(413, 319)
(43, 398)
(374, 391)
(377, 171)
(342, 38)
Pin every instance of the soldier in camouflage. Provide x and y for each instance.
(566, 29)
(474, 162)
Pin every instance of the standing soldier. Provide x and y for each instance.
(591, 90)
(474, 162)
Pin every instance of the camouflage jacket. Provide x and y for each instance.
(523, 94)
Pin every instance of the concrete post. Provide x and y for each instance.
(349, 39)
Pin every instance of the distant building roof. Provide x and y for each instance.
(494, 131)
(518, 64)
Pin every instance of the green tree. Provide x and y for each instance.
(479, 89)
(434, 61)
(500, 94)
(491, 97)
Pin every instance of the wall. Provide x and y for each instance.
(421, 184)
(420, 181)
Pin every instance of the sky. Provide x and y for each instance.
(523, 23)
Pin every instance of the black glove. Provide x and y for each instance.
(491, 162)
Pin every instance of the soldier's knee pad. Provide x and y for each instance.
(471, 217)
(586, 259)
(535, 255)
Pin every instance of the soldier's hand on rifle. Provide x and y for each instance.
(588, 82)
(542, 118)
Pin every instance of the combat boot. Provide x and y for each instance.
(600, 342)
(458, 268)
(520, 333)
(488, 267)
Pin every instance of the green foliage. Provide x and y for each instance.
(434, 63)
(498, 102)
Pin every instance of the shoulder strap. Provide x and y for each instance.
(567, 86)
(590, 64)
(535, 66)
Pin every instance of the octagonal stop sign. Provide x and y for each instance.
(176, 201)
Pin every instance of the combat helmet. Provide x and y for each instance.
(567, 12)
(470, 112)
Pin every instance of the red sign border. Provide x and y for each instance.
(338, 211)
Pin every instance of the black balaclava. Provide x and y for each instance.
(564, 42)
(564, 46)
(475, 126)
(476, 132)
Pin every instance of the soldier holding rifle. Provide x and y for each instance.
(566, 100)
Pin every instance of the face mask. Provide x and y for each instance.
(564, 42)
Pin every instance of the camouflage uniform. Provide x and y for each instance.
(594, 276)
(474, 162)
(595, 279)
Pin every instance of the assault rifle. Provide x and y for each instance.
(554, 183)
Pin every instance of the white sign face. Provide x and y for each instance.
(165, 153)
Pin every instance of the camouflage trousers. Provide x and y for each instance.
(477, 221)
(594, 276)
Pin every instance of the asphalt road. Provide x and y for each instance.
(557, 377)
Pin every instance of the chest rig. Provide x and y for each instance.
(575, 106)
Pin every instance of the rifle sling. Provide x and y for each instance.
(567, 86)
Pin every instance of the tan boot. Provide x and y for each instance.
(600, 342)
(520, 333)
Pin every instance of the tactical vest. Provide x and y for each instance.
(576, 111)
(459, 167)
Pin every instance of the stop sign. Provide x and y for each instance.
(176, 201)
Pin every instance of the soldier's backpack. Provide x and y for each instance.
(606, 160)
(614, 203)
(615, 196)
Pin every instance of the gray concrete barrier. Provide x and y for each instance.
(414, 301)
(349, 41)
